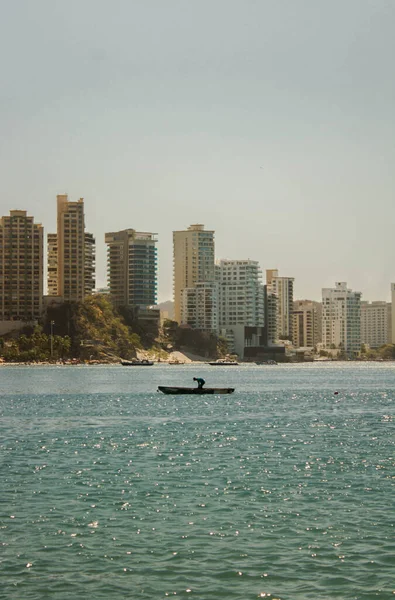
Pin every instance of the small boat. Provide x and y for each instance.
(186, 390)
(137, 363)
(266, 362)
(223, 362)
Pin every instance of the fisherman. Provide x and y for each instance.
(200, 381)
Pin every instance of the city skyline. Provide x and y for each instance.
(270, 122)
(103, 282)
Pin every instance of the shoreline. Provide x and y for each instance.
(180, 363)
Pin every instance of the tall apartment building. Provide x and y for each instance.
(71, 253)
(307, 323)
(132, 267)
(52, 264)
(199, 306)
(341, 319)
(282, 287)
(240, 293)
(89, 264)
(21, 267)
(374, 323)
(193, 261)
(270, 302)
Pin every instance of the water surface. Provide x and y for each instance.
(282, 490)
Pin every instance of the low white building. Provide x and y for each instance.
(341, 319)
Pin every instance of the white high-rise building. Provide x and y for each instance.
(374, 323)
(241, 293)
(283, 288)
(341, 319)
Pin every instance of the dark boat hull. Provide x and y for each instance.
(185, 390)
(130, 363)
(223, 364)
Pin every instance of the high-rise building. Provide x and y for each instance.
(71, 253)
(89, 264)
(199, 306)
(270, 302)
(132, 267)
(341, 319)
(21, 267)
(240, 293)
(282, 287)
(307, 323)
(52, 261)
(374, 323)
(193, 261)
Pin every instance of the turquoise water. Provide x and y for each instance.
(282, 490)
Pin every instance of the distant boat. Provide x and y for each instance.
(266, 362)
(223, 362)
(137, 363)
(195, 390)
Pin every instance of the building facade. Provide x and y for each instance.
(89, 264)
(307, 323)
(393, 313)
(341, 319)
(375, 318)
(52, 264)
(283, 289)
(270, 301)
(21, 267)
(132, 268)
(71, 253)
(193, 261)
(199, 306)
(240, 293)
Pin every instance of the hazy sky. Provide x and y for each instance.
(270, 121)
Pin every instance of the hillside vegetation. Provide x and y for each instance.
(95, 330)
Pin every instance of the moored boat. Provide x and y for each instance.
(195, 390)
(223, 362)
(137, 363)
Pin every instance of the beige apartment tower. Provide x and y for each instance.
(375, 323)
(193, 261)
(89, 264)
(21, 267)
(52, 264)
(71, 253)
(282, 288)
(307, 323)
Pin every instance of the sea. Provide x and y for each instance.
(284, 490)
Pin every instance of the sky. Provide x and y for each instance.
(270, 121)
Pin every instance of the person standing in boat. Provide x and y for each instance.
(200, 381)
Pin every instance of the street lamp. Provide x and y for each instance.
(52, 324)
